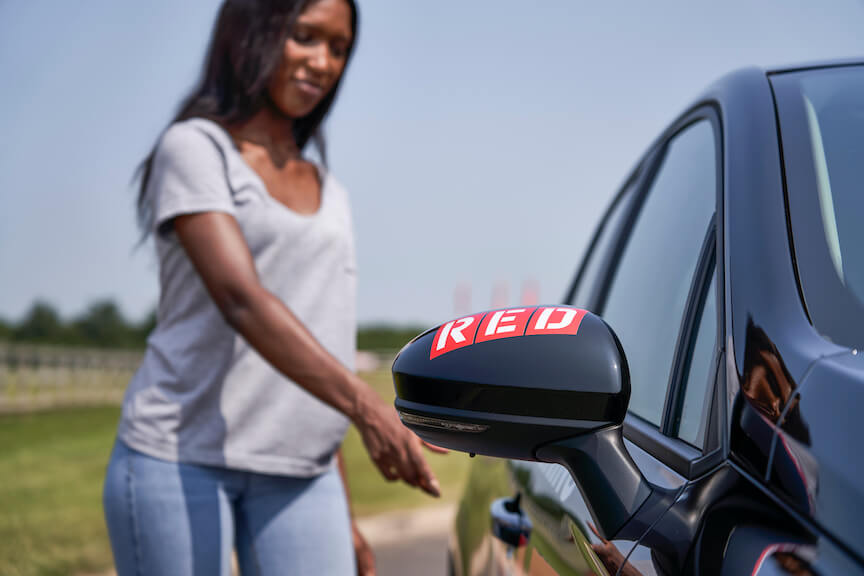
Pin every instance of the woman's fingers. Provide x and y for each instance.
(394, 449)
(390, 462)
(390, 472)
(434, 448)
(405, 464)
(425, 477)
(409, 465)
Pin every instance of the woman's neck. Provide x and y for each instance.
(269, 130)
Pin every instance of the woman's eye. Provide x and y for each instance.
(338, 51)
(302, 37)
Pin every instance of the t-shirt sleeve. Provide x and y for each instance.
(188, 176)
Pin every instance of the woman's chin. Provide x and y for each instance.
(297, 107)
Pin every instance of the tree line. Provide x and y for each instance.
(102, 325)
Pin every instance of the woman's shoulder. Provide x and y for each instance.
(190, 156)
(189, 172)
(330, 184)
(189, 143)
(192, 134)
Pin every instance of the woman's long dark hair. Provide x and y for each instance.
(245, 50)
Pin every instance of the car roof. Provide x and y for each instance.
(832, 63)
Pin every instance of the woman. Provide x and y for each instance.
(230, 426)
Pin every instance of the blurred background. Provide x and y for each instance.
(480, 142)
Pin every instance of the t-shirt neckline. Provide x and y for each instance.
(323, 176)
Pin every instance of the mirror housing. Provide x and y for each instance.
(547, 383)
(506, 393)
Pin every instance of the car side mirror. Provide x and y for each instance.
(546, 383)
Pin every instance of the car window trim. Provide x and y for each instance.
(663, 443)
(674, 452)
(595, 238)
(653, 159)
(628, 192)
(690, 321)
(621, 200)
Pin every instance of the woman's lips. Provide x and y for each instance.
(309, 88)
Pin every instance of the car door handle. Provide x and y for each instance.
(509, 523)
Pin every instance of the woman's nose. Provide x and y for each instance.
(319, 60)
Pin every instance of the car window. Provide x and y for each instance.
(648, 294)
(598, 255)
(694, 410)
(821, 115)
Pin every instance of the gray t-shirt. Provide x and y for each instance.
(202, 395)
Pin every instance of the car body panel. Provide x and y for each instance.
(754, 500)
(561, 541)
(816, 467)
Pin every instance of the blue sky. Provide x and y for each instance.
(480, 140)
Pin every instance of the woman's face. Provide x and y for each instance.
(313, 57)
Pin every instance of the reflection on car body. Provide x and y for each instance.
(708, 423)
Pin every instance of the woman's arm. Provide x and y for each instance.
(217, 249)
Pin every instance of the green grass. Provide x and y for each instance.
(51, 470)
(51, 465)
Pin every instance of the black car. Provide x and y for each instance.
(693, 406)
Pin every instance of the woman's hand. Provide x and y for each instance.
(611, 557)
(394, 449)
(363, 552)
(434, 448)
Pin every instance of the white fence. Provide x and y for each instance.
(40, 377)
(43, 377)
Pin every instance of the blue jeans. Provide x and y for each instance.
(173, 519)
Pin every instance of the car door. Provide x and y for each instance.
(651, 274)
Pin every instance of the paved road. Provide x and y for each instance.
(410, 542)
(426, 556)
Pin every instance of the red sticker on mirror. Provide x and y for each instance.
(555, 320)
(455, 334)
(504, 324)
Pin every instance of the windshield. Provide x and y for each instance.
(821, 116)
